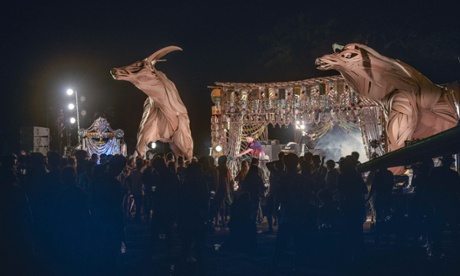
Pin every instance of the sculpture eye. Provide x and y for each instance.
(349, 55)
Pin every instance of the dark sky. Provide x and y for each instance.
(47, 48)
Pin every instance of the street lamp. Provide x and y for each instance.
(71, 106)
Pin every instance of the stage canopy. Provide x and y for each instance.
(313, 105)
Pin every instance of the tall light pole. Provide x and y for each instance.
(70, 92)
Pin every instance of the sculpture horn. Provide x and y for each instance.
(162, 52)
(337, 47)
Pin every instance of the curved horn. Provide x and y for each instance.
(162, 52)
(336, 47)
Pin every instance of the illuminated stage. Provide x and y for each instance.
(327, 108)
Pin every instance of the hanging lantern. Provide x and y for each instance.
(216, 96)
(216, 110)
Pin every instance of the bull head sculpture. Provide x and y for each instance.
(165, 116)
(414, 107)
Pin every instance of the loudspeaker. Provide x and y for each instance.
(291, 148)
(272, 151)
(34, 131)
(35, 139)
(41, 141)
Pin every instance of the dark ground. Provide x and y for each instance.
(396, 256)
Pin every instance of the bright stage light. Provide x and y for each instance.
(218, 148)
(72, 120)
(71, 106)
(69, 92)
(151, 145)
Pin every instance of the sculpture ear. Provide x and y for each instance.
(337, 48)
(152, 59)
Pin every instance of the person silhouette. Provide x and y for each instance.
(443, 194)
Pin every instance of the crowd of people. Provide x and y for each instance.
(67, 215)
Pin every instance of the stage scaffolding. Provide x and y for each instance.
(241, 109)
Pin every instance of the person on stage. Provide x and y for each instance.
(254, 148)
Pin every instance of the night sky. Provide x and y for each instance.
(47, 48)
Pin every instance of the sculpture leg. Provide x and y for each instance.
(401, 122)
(182, 146)
(182, 140)
(402, 119)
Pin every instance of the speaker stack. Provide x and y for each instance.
(272, 148)
(35, 139)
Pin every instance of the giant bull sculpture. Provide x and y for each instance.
(414, 107)
(165, 117)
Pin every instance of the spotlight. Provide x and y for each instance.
(69, 91)
(218, 148)
(72, 120)
(71, 106)
(151, 145)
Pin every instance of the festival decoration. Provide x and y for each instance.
(165, 116)
(100, 138)
(413, 106)
(315, 105)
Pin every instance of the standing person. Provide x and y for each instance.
(297, 216)
(73, 216)
(318, 172)
(443, 195)
(352, 189)
(180, 168)
(135, 183)
(308, 156)
(381, 190)
(254, 186)
(149, 190)
(16, 238)
(108, 213)
(164, 204)
(276, 169)
(421, 171)
(331, 179)
(193, 216)
(244, 168)
(43, 193)
(218, 205)
(254, 148)
(211, 178)
(355, 156)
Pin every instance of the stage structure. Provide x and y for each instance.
(100, 138)
(314, 106)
